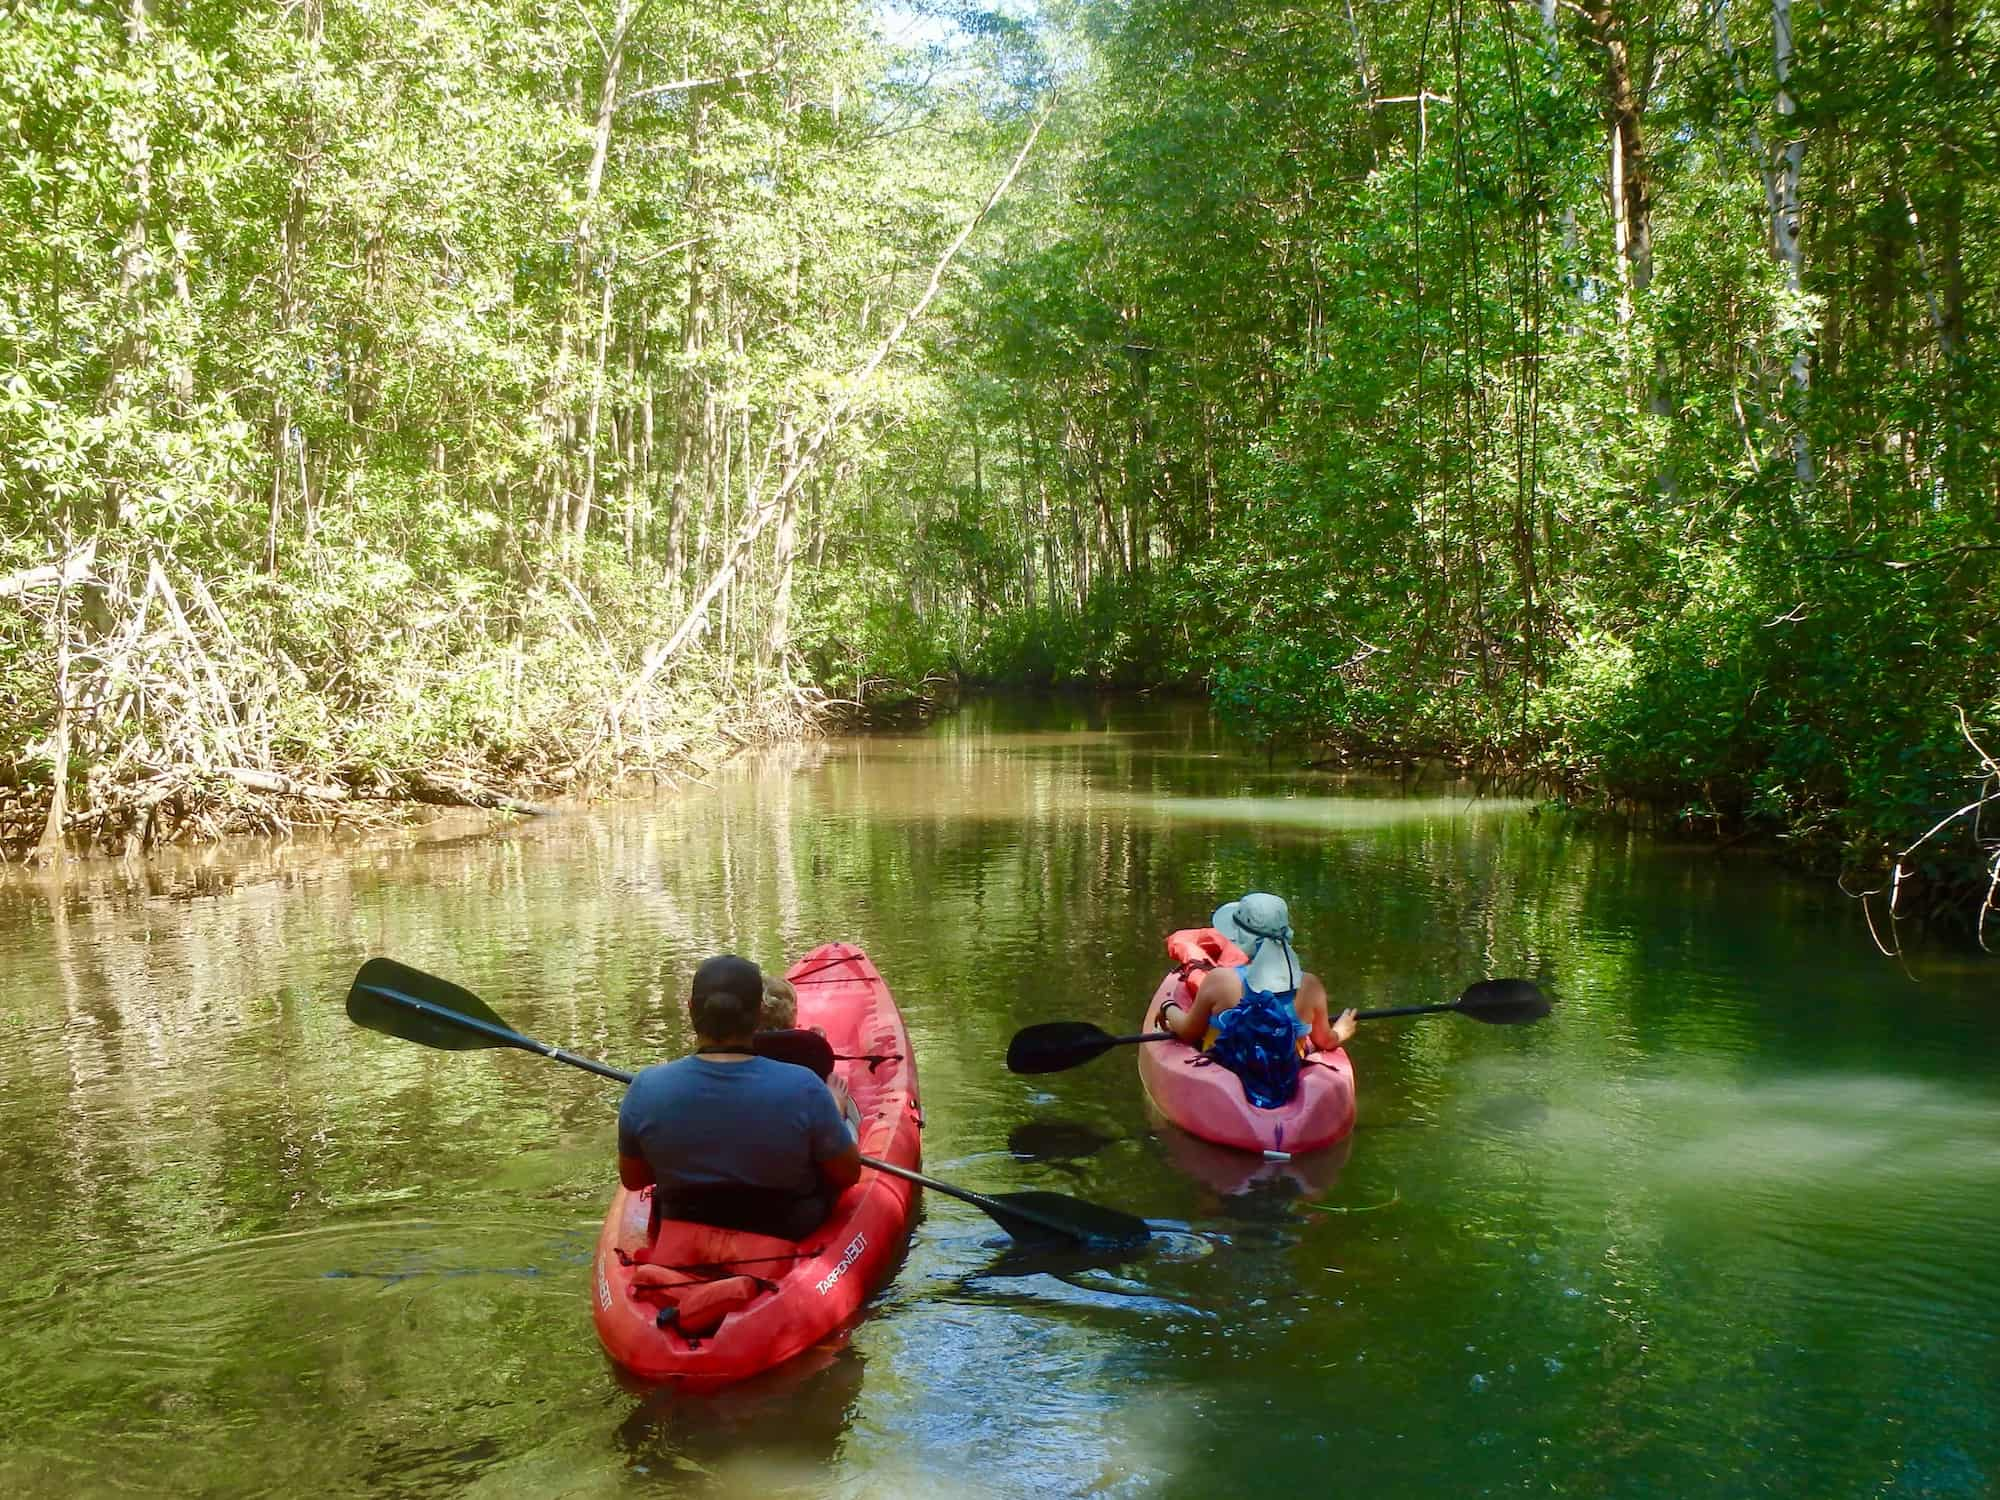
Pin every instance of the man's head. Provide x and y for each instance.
(724, 998)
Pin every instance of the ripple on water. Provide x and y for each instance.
(1686, 1228)
(204, 1339)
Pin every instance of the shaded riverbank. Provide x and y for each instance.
(133, 808)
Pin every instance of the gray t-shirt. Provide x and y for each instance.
(702, 1123)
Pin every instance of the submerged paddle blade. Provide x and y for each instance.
(1039, 1218)
(1504, 1002)
(379, 1000)
(1055, 1045)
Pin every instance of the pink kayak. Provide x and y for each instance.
(1206, 1100)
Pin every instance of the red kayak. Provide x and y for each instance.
(704, 1307)
(1205, 1099)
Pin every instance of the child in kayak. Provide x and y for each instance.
(780, 1010)
(779, 1036)
(1258, 1018)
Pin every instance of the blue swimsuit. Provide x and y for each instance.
(1257, 1039)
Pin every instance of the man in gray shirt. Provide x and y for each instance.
(729, 1138)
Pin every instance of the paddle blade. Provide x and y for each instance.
(1041, 1218)
(1504, 1002)
(1055, 1045)
(378, 999)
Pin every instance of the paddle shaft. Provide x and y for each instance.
(1359, 1015)
(992, 1207)
(509, 1038)
(1087, 1048)
(1406, 1010)
(501, 1034)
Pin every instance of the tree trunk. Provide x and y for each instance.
(777, 637)
(1552, 35)
(1631, 173)
(580, 490)
(1785, 231)
(134, 138)
(626, 444)
(293, 233)
(51, 845)
(600, 141)
(587, 495)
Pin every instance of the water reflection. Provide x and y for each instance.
(241, 1238)
(1238, 1175)
(1059, 1142)
(771, 1436)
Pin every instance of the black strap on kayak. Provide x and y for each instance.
(824, 964)
(873, 1059)
(715, 1270)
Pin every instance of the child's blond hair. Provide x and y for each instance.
(780, 1011)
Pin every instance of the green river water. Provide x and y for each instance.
(1728, 1223)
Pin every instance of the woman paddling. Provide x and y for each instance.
(1253, 1018)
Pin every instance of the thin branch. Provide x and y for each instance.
(1938, 557)
(681, 85)
(808, 451)
(596, 35)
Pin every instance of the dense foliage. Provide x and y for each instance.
(1598, 388)
(1603, 389)
(394, 388)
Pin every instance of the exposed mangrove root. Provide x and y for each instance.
(173, 716)
(1979, 820)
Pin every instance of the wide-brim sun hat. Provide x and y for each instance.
(1261, 925)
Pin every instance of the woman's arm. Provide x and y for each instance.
(1190, 1022)
(1312, 1007)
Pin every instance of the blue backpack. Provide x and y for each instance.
(1257, 1039)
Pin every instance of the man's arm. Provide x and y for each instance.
(836, 1153)
(843, 1171)
(633, 1168)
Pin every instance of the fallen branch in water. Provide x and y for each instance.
(428, 786)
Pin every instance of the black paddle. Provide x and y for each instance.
(399, 1001)
(1056, 1045)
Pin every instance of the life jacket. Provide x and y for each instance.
(1257, 1039)
(695, 1305)
(805, 1049)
